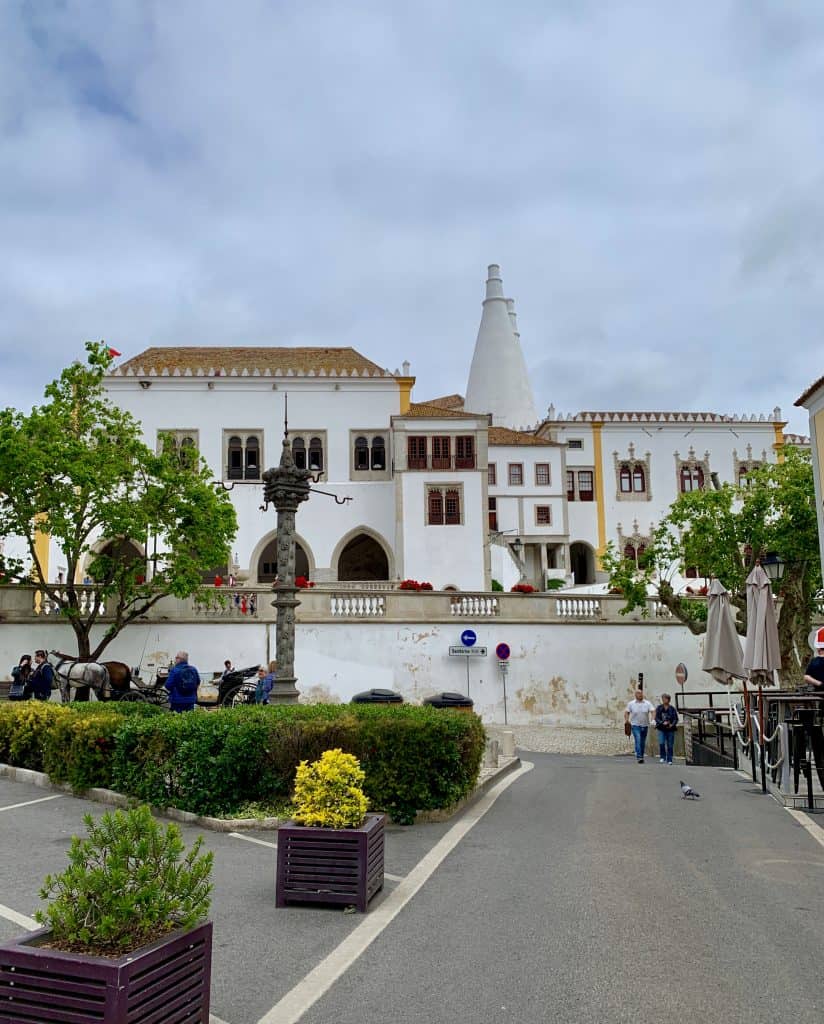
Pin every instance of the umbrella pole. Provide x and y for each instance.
(762, 745)
(749, 729)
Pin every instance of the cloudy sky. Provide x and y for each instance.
(650, 176)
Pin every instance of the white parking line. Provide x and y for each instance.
(251, 839)
(27, 803)
(393, 878)
(816, 831)
(320, 979)
(25, 922)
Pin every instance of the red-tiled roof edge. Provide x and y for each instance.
(813, 387)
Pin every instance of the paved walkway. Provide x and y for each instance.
(551, 739)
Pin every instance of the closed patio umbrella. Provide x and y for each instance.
(762, 653)
(722, 648)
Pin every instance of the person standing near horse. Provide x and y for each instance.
(20, 678)
(182, 683)
(41, 681)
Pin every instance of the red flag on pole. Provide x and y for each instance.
(114, 353)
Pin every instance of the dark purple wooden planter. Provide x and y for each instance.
(330, 865)
(166, 982)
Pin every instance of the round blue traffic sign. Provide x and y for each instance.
(503, 652)
(468, 637)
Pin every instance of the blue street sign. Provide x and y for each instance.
(468, 637)
(502, 650)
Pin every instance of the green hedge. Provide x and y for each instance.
(213, 763)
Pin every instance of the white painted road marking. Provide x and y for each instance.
(251, 839)
(25, 922)
(27, 803)
(320, 979)
(392, 878)
(816, 831)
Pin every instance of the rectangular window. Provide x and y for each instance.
(441, 453)
(443, 506)
(516, 474)
(464, 453)
(493, 513)
(585, 485)
(570, 488)
(416, 452)
(543, 515)
(542, 474)
(492, 474)
(575, 443)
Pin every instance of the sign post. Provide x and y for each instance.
(502, 651)
(467, 649)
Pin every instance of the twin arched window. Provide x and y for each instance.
(307, 452)
(632, 478)
(243, 457)
(370, 457)
(692, 478)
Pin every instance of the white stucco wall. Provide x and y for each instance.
(560, 674)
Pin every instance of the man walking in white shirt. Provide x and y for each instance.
(640, 714)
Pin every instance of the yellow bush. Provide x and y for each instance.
(328, 792)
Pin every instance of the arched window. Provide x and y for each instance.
(378, 453)
(639, 482)
(299, 452)
(188, 451)
(691, 572)
(626, 480)
(316, 454)
(629, 552)
(252, 458)
(641, 551)
(234, 458)
(361, 453)
(435, 508)
(692, 478)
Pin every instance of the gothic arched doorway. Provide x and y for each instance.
(582, 562)
(363, 558)
(267, 567)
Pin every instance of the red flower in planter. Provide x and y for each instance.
(409, 585)
(302, 583)
(426, 586)
(522, 588)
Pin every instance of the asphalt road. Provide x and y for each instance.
(588, 892)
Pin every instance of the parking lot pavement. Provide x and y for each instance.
(260, 952)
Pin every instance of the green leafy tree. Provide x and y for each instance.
(722, 532)
(76, 469)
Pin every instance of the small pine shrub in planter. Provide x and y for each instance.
(497, 587)
(125, 927)
(332, 850)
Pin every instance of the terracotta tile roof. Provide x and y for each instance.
(447, 402)
(798, 440)
(505, 436)
(262, 361)
(428, 410)
(813, 387)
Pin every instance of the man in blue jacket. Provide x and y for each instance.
(182, 683)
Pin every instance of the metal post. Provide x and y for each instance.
(761, 744)
(467, 674)
(504, 669)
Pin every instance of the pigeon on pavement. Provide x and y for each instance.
(688, 791)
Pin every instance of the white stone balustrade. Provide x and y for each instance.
(474, 606)
(357, 606)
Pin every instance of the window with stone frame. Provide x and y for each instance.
(543, 474)
(634, 546)
(516, 474)
(570, 485)
(309, 450)
(183, 442)
(368, 455)
(744, 467)
(492, 474)
(492, 505)
(543, 515)
(465, 452)
(441, 452)
(586, 485)
(242, 455)
(692, 472)
(416, 452)
(632, 476)
(444, 505)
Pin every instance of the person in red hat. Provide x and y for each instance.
(814, 672)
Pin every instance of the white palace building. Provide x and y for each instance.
(454, 491)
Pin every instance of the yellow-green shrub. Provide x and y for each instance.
(24, 727)
(328, 791)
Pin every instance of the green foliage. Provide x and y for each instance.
(554, 584)
(127, 884)
(77, 469)
(722, 532)
(414, 759)
(328, 791)
(497, 587)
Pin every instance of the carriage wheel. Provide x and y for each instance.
(235, 698)
(132, 696)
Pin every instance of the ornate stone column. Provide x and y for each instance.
(285, 488)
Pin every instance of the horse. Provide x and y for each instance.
(108, 679)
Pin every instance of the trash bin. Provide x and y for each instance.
(450, 700)
(377, 697)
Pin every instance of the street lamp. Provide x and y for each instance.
(773, 565)
(516, 546)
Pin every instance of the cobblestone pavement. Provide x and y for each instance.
(553, 739)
